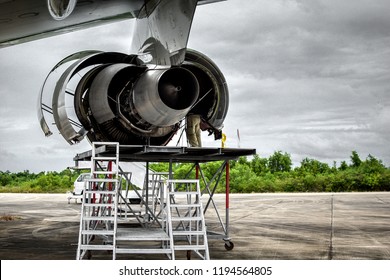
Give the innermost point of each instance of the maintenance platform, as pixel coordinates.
(171, 209)
(141, 153)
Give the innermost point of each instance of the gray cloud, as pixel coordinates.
(308, 77)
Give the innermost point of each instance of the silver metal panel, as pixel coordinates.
(59, 107)
(45, 128)
(216, 101)
(98, 98)
(162, 31)
(26, 20)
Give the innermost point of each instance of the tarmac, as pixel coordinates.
(302, 226)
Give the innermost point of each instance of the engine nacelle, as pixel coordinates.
(118, 99)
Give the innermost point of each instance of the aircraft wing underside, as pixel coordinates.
(26, 20)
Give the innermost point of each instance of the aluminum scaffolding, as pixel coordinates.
(154, 193)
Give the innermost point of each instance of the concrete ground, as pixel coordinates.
(342, 226)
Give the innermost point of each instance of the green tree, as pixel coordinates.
(343, 165)
(279, 162)
(355, 159)
(5, 178)
(371, 165)
(259, 165)
(313, 166)
(244, 180)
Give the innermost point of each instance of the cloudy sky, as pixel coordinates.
(307, 77)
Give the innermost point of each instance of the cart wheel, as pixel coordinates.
(229, 245)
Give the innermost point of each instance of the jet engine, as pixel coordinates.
(117, 98)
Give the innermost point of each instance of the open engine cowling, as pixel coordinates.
(118, 99)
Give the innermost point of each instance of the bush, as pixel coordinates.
(271, 174)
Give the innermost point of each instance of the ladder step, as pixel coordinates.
(141, 234)
(189, 247)
(184, 193)
(99, 218)
(185, 205)
(106, 172)
(104, 158)
(100, 192)
(97, 232)
(143, 251)
(102, 180)
(97, 247)
(98, 204)
(180, 219)
(185, 233)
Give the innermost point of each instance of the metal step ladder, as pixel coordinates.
(153, 194)
(152, 236)
(98, 217)
(187, 227)
(176, 206)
